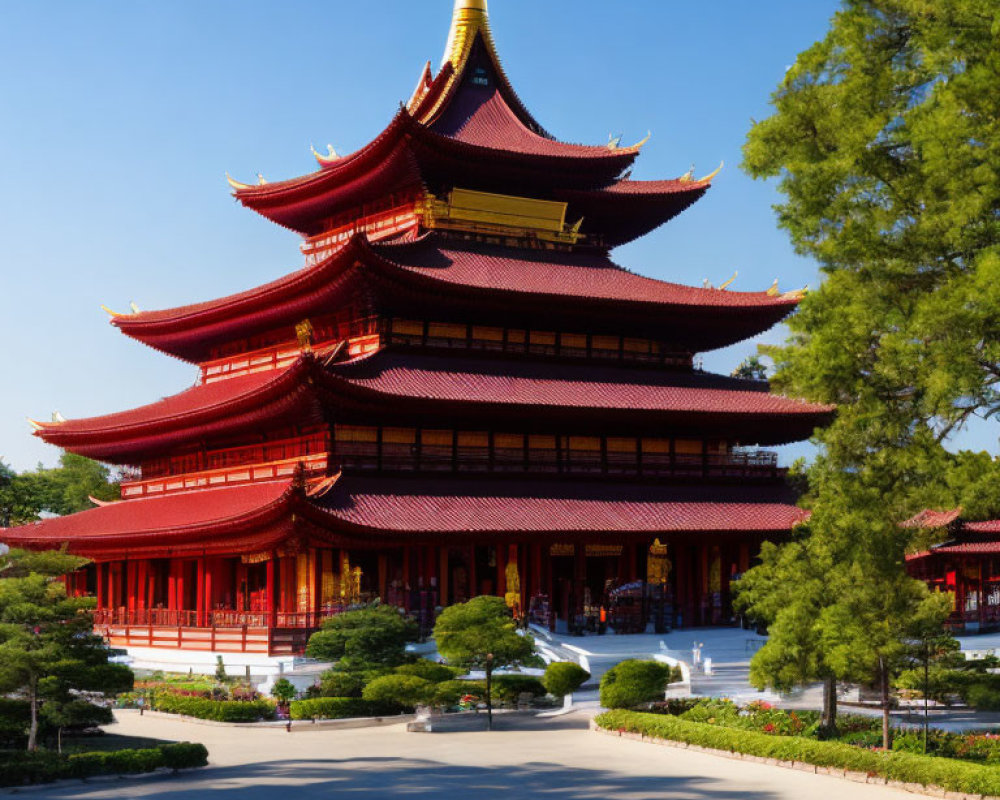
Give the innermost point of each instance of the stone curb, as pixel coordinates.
(297, 726)
(846, 774)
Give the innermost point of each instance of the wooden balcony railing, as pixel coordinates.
(367, 457)
(217, 618)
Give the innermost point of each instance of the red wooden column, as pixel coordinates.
(633, 561)
(701, 581)
(473, 580)
(142, 580)
(406, 579)
(272, 590)
(202, 601)
(383, 576)
(443, 576)
(501, 559)
(679, 577)
(132, 584)
(317, 587)
(579, 575)
(536, 570)
(101, 599)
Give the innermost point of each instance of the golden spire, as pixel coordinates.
(469, 17)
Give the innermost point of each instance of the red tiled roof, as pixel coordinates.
(208, 516)
(988, 526)
(930, 518)
(480, 116)
(201, 411)
(967, 548)
(188, 331)
(465, 507)
(557, 274)
(536, 384)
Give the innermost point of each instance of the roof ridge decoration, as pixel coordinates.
(470, 20)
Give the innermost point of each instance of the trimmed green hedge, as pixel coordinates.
(18, 769)
(219, 710)
(343, 708)
(956, 776)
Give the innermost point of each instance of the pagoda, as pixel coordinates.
(459, 393)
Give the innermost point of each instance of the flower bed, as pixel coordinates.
(853, 729)
(20, 768)
(949, 774)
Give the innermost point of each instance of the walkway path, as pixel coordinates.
(558, 759)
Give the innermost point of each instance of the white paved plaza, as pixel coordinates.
(525, 758)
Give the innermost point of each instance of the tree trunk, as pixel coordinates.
(828, 723)
(927, 685)
(886, 732)
(489, 692)
(33, 729)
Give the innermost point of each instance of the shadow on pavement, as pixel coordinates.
(411, 778)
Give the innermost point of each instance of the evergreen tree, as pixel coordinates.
(884, 141)
(49, 654)
(482, 633)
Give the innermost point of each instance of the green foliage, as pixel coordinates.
(65, 489)
(48, 650)
(751, 369)
(884, 142)
(430, 671)
(403, 690)
(507, 689)
(340, 684)
(564, 677)
(948, 774)
(466, 632)
(633, 682)
(983, 698)
(364, 638)
(342, 708)
(218, 710)
(283, 691)
(43, 767)
(449, 694)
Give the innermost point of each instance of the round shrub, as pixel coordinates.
(509, 688)
(633, 682)
(983, 698)
(450, 693)
(406, 690)
(564, 677)
(340, 684)
(429, 671)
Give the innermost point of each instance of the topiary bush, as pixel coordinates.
(342, 708)
(508, 689)
(449, 694)
(634, 682)
(429, 671)
(44, 766)
(218, 710)
(405, 690)
(340, 684)
(564, 677)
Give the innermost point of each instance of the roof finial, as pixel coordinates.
(468, 17)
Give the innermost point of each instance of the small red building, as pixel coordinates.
(966, 564)
(459, 393)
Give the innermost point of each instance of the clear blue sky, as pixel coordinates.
(118, 121)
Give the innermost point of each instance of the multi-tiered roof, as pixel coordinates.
(458, 346)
